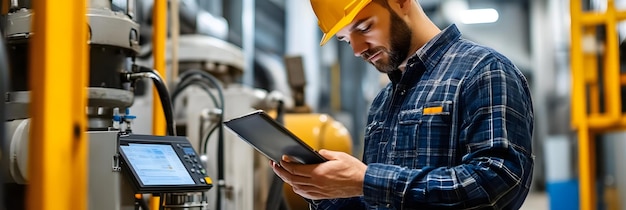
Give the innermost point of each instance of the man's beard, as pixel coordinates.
(400, 43)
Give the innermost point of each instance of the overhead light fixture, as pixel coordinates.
(478, 16)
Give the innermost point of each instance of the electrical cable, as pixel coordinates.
(166, 103)
(220, 143)
(206, 139)
(180, 87)
(4, 72)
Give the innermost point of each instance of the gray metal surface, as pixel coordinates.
(99, 118)
(113, 29)
(100, 4)
(201, 48)
(18, 24)
(184, 201)
(101, 101)
(17, 105)
(18, 97)
(16, 111)
(108, 97)
(108, 188)
(17, 167)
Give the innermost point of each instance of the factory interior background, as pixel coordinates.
(156, 68)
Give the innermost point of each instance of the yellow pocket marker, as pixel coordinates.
(433, 110)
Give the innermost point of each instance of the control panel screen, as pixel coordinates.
(157, 164)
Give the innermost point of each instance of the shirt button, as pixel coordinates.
(402, 92)
(388, 205)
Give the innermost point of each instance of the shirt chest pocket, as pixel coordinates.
(425, 130)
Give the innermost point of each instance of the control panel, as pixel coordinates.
(162, 164)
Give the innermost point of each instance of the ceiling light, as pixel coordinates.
(477, 16)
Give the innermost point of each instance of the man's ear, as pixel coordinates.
(403, 3)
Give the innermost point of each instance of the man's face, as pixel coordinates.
(379, 36)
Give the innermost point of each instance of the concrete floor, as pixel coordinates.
(536, 201)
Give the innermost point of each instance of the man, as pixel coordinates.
(452, 130)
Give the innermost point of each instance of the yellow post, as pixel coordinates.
(587, 168)
(159, 17)
(579, 110)
(58, 78)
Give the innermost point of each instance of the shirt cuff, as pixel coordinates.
(380, 186)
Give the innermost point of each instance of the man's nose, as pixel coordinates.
(358, 47)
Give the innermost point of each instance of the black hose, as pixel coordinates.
(199, 82)
(4, 72)
(220, 143)
(166, 103)
(206, 139)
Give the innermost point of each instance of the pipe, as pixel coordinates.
(159, 28)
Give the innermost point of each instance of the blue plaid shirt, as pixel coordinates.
(453, 132)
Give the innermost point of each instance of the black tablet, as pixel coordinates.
(272, 139)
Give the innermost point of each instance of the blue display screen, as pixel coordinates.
(189, 151)
(157, 164)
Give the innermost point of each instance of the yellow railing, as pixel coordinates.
(587, 88)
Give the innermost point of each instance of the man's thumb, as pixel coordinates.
(329, 154)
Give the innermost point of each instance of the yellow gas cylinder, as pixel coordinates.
(320, 131)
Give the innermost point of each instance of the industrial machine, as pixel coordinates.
(115, 174)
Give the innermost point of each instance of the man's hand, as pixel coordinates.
(339, 177)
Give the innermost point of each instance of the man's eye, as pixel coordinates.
(365, 29)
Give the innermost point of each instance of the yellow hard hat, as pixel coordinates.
(333, 15)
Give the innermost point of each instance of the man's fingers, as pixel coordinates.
(288, 177)
(298, 169)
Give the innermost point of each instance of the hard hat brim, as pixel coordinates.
(347, 19)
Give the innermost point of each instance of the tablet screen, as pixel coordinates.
(272, 139)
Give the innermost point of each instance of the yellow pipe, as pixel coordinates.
(578, 90)
(595, 18)
(59, 77)
(612, 87)
(159, 17)
(579, 109)
(587, 169)
(591, 71)
(622, 79)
